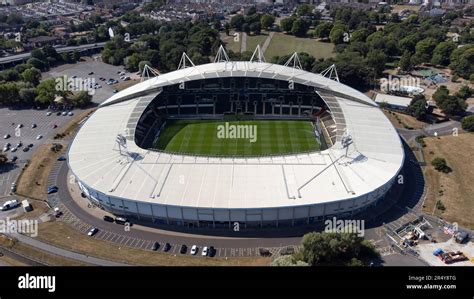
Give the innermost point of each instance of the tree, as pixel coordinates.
(304, 9)
(462, 61)
(31, 75)
(465, 92)
(442, 52)
(451, 105)
(9, 93)
(81, 99)
(334, 249)
(405, 62)
(441, 93)
(38, 64)
(417, 107)
(299, 28)
(468, 123)
(323, 30)
(337, 35)
(425, 47)
(237, 21)
(376, 59)
(286, 24)
(255, 28)
(27, 95)
(46, 91)
(267, 20)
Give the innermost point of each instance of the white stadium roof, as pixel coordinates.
(375, 156)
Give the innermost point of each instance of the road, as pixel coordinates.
(62, 252)
(24, 56)
(444, 128)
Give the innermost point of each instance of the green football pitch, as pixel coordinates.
(237, 138)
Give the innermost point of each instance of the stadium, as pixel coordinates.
(257, 143)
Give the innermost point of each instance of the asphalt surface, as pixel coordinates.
(9, 120)
(82, 70)
(23, 56)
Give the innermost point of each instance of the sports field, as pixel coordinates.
(237, 138)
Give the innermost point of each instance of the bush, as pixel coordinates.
(440, 165)
(440, 206)
(468, 123)
(420, 139)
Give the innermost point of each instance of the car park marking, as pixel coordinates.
(121, 239)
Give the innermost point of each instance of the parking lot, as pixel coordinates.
(10, 118)
(26, 135)
(83, 70)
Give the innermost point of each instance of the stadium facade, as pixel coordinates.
(115, 167)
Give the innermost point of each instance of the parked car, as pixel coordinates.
(57, 212)
(108, 218)
(34, 125)
(14, 158)
(19, 126)
(194, 250)
(205, 251)
(6, 136)
(6, 148)
(11, 204)
(52, 189)
(39, 137)
(70, 113)
(25, 149)
(183, 249)
(48, 113)
(212, 251)
(155, 246)
(121, 220)
(91, 73)
(167, 247)
(92, 231)
(19, 144)
(14, 149)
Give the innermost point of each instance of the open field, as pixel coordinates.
(230, 43)
(283, 44)
(271, 137)
(61, 235)
(454, 189)
(254, 40)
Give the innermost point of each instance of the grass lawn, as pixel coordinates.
(283, 44)
(454, 189)
(254, 40)
(230, 43)
(271, 137)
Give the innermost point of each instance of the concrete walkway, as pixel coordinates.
(243, 44)
(267, 41)
(62, 252)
